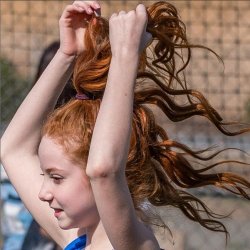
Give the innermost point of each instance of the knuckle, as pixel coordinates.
(122, 12)
(132, 15)
(112, 19)
(131, 12)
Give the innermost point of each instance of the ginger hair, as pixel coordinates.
(158, 170)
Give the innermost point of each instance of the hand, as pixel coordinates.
(128, 31)
(73, 23)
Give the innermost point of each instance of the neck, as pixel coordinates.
(97, 237)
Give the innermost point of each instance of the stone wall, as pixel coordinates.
(29, 26)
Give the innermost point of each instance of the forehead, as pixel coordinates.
(49, 147)
(53, 155)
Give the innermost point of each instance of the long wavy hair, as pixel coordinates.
(159, 170)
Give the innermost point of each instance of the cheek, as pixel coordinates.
(82, 194)
(83, 206)
(86, 193)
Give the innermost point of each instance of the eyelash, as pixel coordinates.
(55, 177)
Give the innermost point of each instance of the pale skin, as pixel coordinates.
(98, 202)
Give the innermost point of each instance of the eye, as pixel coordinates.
(56, 178)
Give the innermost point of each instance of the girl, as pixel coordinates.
(78, 194)
(103, 159)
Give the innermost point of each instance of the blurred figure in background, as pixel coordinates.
(15, 218)
(45, 59)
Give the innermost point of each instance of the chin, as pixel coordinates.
(66, 226)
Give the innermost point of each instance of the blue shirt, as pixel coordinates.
(77, 244)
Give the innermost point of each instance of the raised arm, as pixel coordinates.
(111, 137)
(20, 141)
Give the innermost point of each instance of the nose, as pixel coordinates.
(45, 193)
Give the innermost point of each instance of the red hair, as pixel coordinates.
(157, 170)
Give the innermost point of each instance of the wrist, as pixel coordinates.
(126, 57)
(65, 57)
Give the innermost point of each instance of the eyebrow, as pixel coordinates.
(50, 169)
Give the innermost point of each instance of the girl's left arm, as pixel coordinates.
(111, 137)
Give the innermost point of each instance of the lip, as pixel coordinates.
(57, 212)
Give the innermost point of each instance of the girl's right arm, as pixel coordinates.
(21, 139)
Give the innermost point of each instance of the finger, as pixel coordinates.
(91, 7)
(131, 12)
(122, 12)
(85, 6)
(142, 13)
(96, 7)
(141, 9)
(113, 15)
(71, 9)
(93, 4)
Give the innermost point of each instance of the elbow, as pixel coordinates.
(10, 151)
(9, 147)
(6, 155)
(4, 152)
(102, 170)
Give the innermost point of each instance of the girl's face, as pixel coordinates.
(66, 187)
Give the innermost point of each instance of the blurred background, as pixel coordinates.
(28, 27)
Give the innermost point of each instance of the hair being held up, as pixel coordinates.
(157, 169)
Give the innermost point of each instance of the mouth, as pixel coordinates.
(57, 212)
